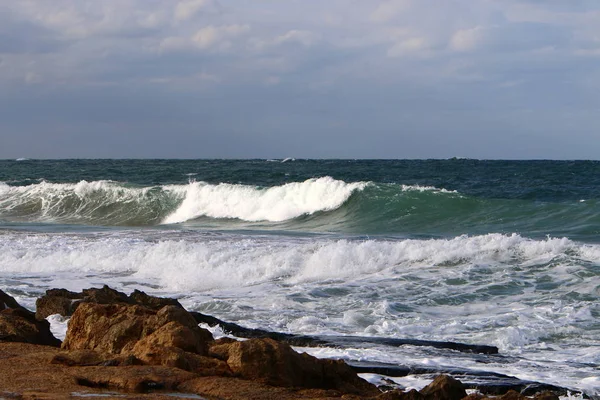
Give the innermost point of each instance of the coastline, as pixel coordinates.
(141, 346)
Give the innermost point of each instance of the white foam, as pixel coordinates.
(486, 289)
(419, 188)
(273, 204)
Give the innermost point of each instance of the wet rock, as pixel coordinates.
(117, 328)
(512, 395)
(135, 379)
(400, 395)
(20, 325)
(175, 357)
(277, 364)
(547, 395)
(65, 302)
(444, 387)
(155, 303)
(7, 301)
(174, 334)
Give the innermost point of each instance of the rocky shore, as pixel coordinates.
(140, 346)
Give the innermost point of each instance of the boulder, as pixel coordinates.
(153, 354)
(7, 301)
(277, 364)
(547, 395)
(444, 387)
(65, 302)
(117, 328)
(18, 324)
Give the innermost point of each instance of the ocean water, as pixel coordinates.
(502, 253)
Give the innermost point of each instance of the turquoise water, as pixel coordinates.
(505, 253)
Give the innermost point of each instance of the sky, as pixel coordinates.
(489, 79)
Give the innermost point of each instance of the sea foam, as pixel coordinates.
(274, 204)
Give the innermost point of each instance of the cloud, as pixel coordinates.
(389, 9)
(213, 36)
(187, 9)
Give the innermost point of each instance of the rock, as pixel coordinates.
(49, 305)
(174, 334)
(444, 387)
(117, 328)
(512, 395)
(175, 357)
(220, 348)
(20, 325)
(277, 364)
(475, 396)
(135, 378)
(547, 395)
(7, 301)
(155, 303)
(105, 295)
(65, 302)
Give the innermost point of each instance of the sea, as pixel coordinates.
(499, 253)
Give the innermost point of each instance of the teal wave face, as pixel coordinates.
(315, 205)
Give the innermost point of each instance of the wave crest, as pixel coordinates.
(274, 204)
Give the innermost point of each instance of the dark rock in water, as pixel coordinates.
(275, 363)
(444, 387)
(486, 382)
(18, 324)
(65, 302)
(336, 341)
(155, 303)
(7, 301)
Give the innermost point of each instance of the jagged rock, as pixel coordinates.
(7, 301)
(86, 358)
(220, 348)
(277, 364)
(65, 302)
(135, 378)
(18, 324)
(155, 303)
(117, 328)
(474, 396)
(547, 395)
(400, 395)
(174, 334)
(512, 395)
(444, 387)
(153, 354)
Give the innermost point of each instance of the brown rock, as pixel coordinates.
(546, 396)
(79, 357)
(49, 305)
(136, 378)
(65, 302)
(475, 396)
(220, 348)
(444, 387)
(155, 303)
(512, 395)
(175, 357)
(116, 329)
(174, 334)
(20, 325)
(275, 363)
(105, 295)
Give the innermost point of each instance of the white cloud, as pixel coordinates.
(466, 40)
(389, 9)
(189, 8)
(305, 38)
(212, 36)
(409, 46)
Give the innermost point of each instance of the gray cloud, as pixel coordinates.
(396, 78)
